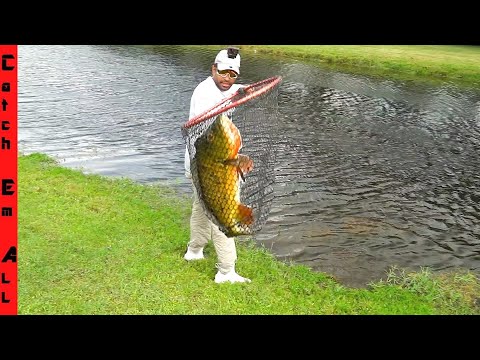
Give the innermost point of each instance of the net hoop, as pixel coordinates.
(263, 87)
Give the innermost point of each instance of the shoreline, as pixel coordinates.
(457, 64)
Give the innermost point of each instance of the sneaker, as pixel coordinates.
(231, 276)
(193, 255)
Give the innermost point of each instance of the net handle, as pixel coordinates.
(266, 85)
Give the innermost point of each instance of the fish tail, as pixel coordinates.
(245, 214)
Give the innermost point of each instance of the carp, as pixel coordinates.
(219, 169)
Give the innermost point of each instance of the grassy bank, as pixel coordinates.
(445, 63)
(94, 245)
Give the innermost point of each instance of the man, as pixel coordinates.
(212, 90)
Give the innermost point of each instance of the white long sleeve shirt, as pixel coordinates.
(204, 97)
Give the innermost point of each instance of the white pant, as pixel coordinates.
(202, 230)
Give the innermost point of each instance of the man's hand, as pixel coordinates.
(244, 91)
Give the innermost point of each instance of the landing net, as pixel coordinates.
(226, 198)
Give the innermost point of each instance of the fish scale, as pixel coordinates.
(220, 167)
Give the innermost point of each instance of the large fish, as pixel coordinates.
(219, 169)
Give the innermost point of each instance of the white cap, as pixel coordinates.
(225, 63)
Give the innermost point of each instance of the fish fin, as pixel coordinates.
(239, 170)
(245, 214)
(241, 162)
(245, 163)
(236, 163)
(232, 162)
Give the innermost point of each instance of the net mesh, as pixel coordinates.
(232, 158)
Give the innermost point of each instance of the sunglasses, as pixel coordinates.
(224, 73)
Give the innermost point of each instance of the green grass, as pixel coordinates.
(431, 63)
(94, 245)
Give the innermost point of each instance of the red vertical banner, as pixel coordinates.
(8, 178)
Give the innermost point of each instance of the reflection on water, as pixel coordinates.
(370, 172)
